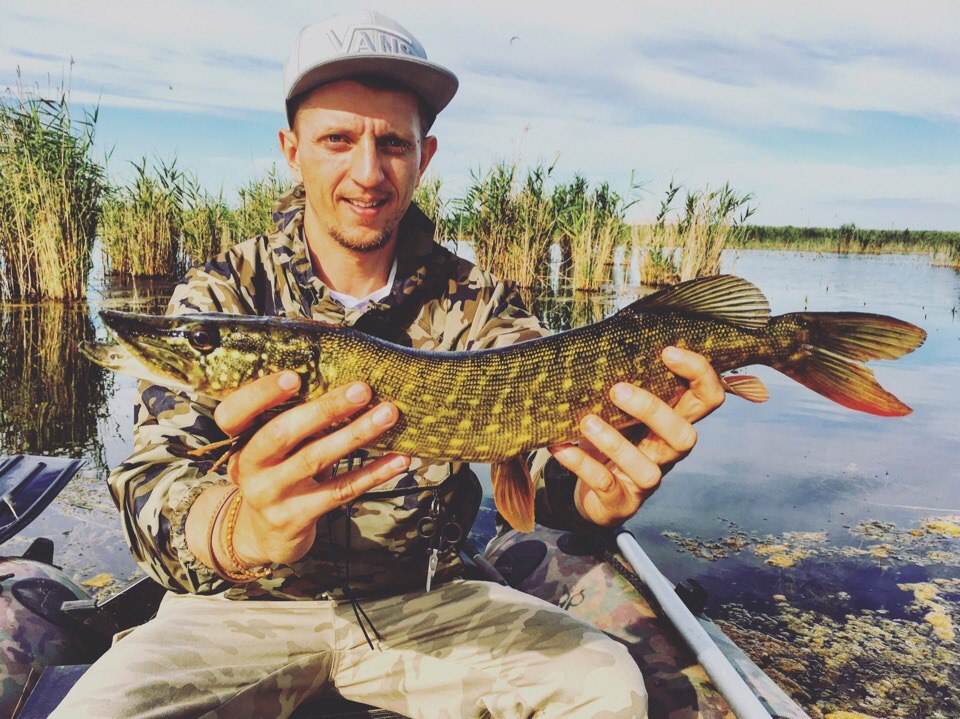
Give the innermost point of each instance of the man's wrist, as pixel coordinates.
(245, 547)
(199, 518)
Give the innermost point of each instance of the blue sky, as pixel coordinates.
(828, 112)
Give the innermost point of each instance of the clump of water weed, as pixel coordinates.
(863, 664)
(934, 542)
(928, 598)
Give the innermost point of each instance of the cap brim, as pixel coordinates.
(435, 84)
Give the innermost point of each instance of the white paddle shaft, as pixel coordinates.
(729, 683)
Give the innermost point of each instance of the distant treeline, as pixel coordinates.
(846, 238)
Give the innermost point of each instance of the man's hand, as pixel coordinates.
(283, 471)
(616, 476)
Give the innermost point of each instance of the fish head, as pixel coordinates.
(207, 354)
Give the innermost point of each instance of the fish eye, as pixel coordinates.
(204, 339)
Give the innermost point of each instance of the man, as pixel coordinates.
(291, 518)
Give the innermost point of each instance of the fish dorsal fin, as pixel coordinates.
(724, 297)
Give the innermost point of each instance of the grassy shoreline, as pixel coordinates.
(55, 198)
(845, 239)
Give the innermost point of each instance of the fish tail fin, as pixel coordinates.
(834, 344)
(513, 492)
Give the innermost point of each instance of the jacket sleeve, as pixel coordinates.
(156, 486)
(502, 321)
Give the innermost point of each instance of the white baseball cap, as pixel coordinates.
(360, 43)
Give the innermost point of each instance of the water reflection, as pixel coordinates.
(52, 399)
(565, 310)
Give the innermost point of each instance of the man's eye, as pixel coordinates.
(395, 143)
(336, 139)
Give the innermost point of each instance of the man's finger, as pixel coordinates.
(591, 449)
(706, 393)
(284, 433)
(321, 453)
(346, 487)
(634, 465)
(241, 408)
(592, 473)
(657, 415)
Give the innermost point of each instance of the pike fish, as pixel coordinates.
(494, 405)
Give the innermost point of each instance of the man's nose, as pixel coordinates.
(365, 169)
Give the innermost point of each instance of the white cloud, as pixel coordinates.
(663, 87)
(847, 56)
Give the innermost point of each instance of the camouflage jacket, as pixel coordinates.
(438, 301)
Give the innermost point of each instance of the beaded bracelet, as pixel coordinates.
(244, 574)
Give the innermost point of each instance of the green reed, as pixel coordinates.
(50, 197)
(142, 223)
(429, 199)
(689, 243)
(208, 225)
(848, 239)
(253, 215)
(163, 220)
(591, 225)
(510, 217)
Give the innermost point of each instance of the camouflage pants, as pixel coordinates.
(466, 649)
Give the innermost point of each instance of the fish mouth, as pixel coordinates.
(107, 354)
(118, 358)
(145, 349)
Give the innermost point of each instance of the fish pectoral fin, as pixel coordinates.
(746, 387)
(513, 493)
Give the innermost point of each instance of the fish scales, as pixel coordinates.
(494, 405)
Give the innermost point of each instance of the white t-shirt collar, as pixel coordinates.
(361, 303)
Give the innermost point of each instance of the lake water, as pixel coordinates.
(796, 515)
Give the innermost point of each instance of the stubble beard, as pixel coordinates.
(378, 242)
(381, 240)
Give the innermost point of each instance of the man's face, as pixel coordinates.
(360, 154)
